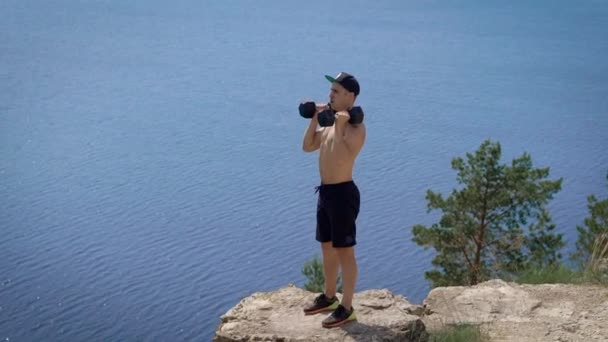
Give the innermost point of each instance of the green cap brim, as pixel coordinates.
(330, 79)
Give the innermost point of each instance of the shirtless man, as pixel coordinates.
(339, 199)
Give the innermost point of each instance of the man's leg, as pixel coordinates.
(327, 301)
(331, 263)
(349, 274)
(343, 216)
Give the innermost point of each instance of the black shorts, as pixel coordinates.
(337, 211)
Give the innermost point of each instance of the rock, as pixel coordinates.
(278, 316)
(514, 312)
(504, 312)
(481, 303)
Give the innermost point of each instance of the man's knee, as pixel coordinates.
(345, 252)
(329, 252)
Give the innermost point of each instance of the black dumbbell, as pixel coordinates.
(328, 116)
(308, 109)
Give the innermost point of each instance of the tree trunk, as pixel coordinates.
(480, 238)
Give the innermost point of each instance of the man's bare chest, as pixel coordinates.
(327, 139)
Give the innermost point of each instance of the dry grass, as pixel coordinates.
(459, 333)
(596, 269)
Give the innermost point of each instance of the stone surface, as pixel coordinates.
(513, 312)
(504, 312)
(278, 316)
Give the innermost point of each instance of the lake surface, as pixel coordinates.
(151, 171)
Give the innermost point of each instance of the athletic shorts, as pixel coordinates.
(337, 210)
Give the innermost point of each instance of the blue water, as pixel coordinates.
(151, 172)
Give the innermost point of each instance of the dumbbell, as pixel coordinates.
(308, 109)
(328, 116)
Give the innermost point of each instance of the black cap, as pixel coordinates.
(349, 82)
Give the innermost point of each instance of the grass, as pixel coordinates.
(459, 333)
(560, 274)
(595, 271)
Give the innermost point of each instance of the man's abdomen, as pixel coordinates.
(333, 170)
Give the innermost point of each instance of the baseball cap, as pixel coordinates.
(348, 81)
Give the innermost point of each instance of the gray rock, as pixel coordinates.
(513, 312)
(503, 311)
(278, 316)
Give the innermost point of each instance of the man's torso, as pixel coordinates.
(336, 161)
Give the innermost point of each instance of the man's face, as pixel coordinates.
(340, 98)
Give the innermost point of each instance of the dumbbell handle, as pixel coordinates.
(327, 116)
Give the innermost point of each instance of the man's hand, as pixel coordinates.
(342, 116)
(321, 107)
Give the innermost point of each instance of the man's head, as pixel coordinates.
(344, 91)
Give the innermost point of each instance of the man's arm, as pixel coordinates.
(312, 136)
(353, 137)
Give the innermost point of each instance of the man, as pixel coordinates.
(339, 199)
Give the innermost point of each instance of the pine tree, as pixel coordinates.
(496, 224)
(313, 270)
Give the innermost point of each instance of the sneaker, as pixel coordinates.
(339, 317)
(322, 303)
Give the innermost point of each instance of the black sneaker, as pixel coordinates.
(322, 303)
(339, 317)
